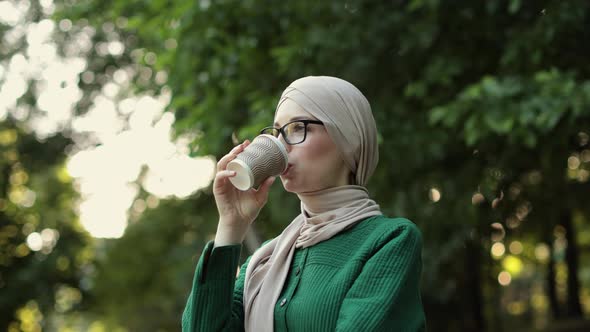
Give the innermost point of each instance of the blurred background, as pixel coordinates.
(114, 113)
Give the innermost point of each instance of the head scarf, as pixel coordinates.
(348, 119)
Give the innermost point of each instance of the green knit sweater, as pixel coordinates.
(366, 278)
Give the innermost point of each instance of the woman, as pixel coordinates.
(340, 264)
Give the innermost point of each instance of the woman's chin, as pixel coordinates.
(288, 184)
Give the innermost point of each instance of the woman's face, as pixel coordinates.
(315, 164)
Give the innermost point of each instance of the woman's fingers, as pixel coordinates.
(262, 193)
(222, 164)
(224, 174)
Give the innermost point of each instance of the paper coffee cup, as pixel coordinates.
(266, 156)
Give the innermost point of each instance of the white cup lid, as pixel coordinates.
(244, 178)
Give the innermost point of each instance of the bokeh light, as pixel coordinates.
(35, 241)
(573, 162)
(498, 233)
(434, 194)
(498, 250)
(512, 265)
(477, 198)
(504, 278)
(515, 247)
(542, 252)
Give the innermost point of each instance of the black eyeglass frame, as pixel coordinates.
(282, 131)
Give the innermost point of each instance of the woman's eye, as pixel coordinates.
(299, 127)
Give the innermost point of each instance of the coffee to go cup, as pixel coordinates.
(266, 156)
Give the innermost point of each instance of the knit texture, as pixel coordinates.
(366, 278)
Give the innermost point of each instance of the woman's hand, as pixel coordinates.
(237, 209)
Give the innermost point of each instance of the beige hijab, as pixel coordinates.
(347, 116)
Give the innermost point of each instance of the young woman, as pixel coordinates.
(340, 265)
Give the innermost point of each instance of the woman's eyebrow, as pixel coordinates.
(276, 124)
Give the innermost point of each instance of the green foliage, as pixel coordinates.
(37, 204)
(146, 273)
(516, 109)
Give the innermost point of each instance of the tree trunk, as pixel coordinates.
(475, 321)
(551, 289)
(574, 309)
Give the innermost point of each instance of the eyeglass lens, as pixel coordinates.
(294, 132)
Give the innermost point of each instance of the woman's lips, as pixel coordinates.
(287, 169)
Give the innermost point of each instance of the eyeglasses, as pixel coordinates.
(293, 132)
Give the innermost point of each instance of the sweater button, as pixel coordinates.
(283, 302)
(297, 270)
